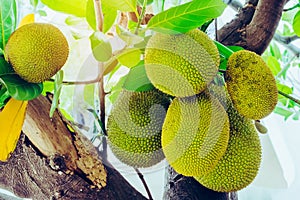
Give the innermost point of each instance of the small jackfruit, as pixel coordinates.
(260, 127)
(181, 65)
(195, 134)
(134, 127)
(241, 161)
(37, 51)
(251, 85)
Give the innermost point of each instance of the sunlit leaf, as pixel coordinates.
(8, 20)
(101, 47)
(34, 3)
(128, 37)
(57, 91)
(89, 94)
(122, 5)
(48, 86)
(285, 112)
(141, 2)
(284, 88)
(109, 15)
(274, 65)
(73, 20)
(130, 57)
(27, 20)
(296, 23)
(110, 65)
(20, 89)
(115, 91)
(186, 16)
(11, 122)
(137, 79)
(74, 7)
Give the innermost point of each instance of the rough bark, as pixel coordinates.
(58, 173)
(180, 187)
(254, 26)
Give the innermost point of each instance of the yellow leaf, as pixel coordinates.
(11, 122)
(27, 19)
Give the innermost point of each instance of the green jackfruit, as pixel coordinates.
(241, 161)
(134, 127)
(195, 134)
(37, 51)
(251, 85)
(181, 65)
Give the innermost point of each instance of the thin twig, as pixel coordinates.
(99, 14)
(99, 21)
(297, 101)
(96, 80)
(144, 183)
(141, 17)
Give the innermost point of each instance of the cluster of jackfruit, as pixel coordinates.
(37, 51)
(208, 130)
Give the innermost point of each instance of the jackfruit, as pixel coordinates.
(134, 127)
(260, 127)
(241, 161)
(37, 51)
(195, 134)
(181, 65)
(251, 85)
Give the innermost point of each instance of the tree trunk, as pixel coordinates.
(56, 165)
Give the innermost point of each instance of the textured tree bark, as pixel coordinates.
(180, 187)
(254, 26)
(55, 172)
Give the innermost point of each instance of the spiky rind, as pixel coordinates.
(37, 51)
(251, 85)
(181, 65)
(195, 134)
(134, 127)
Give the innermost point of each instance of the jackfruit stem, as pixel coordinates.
(297, 101)
(144, 183)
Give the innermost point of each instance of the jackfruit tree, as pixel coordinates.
(143, 99)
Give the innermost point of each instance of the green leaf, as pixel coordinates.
(186, 17)
(48, 86)
(141, 2)
(110, 15)
(73, 7)
(129, 57)
(110, 65)
(284, 88)
(122, 5)
(101, 47)
(89, 94)
(137, 79)
(235, 48)
(296, 23)
(57, 91)
(20, 89)
(115, 91)
(34, 3)
(5, 67)
(90, 14)
(128, 37)
(4, 96)
(274, 65)
(8, 20)
(73, 20)
(275, 51)
(283, 112)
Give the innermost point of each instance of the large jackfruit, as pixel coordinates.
(181, 65)
(37, 51)
(195, 134)
(251, 85)
(241, 161)
(134, 127)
